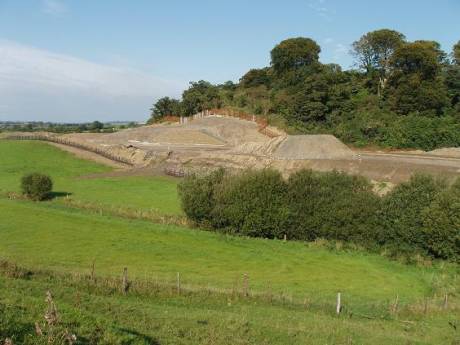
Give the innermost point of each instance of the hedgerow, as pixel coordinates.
(418, 216)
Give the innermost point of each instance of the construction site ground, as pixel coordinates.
(205, 143)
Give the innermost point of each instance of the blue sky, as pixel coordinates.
(79, 60)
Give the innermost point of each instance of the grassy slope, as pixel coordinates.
(50, 235)
(99, 315)
(18, 158)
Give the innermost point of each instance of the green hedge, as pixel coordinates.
(419, 216)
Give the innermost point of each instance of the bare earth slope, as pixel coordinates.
(205, 143)
(313, 147)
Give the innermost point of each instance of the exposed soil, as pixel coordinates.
(217, 141)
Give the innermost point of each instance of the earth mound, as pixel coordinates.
(322, 146)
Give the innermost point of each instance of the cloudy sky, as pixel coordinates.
(82, 60)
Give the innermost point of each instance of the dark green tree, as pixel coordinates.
(441, 224)
(96, 126)
(199, 96)
(415, 84)
(36, 186)
(456, 53)
(256, 77)
(373, 52)
(163, 107)
(294, 53)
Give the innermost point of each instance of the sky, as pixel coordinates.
(107, 60)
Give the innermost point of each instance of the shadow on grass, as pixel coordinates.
(55, 195)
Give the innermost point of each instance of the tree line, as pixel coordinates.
(421, 216)
(399, 94)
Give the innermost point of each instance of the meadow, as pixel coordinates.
(69, 176)
(57, 243)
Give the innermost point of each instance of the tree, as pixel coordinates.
(163, 107)
(373, 52)
(452, 81)
(256, 77)
(456, 53)
(441, 224)
(36, 186)
(317, 95)
(96, 126)
(415, 84)
(402, 209)
(200, 95)
(294, 53)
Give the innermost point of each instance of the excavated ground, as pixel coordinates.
(217, 141)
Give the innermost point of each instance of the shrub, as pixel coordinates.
(441, 224)
(331, 205)
(197, 195)
(36, 186)
(253, 204)
(400, 218)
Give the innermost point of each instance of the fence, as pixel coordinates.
(339, 303)
(80, 146)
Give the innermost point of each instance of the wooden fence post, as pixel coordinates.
(178, 282)
(395, 305)
(445, 305)
(124, 282)
(339, 306)
(245, 285)
(92, 272)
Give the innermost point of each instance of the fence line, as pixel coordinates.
(339, 305)
(80, 146)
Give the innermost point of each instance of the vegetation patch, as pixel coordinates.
(309, 206)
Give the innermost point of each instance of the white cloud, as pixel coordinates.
(54, 7)
(38, 84)
(319, 6)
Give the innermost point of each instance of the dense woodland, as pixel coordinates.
(400, 94)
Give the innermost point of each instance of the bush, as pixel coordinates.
(36, 186)
(253, 204)
(441, 224)
(418, 216)
(331, 205)
(197, 195)
(400, 218)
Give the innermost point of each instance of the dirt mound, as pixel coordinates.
(260, 149)
(166, 134)
(231, 130)
(313, 147)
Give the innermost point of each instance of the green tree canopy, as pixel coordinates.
(373, 52)
(293, 53)
(256, 77)
(421, 57)
(456, 53)
(199, 96)
(163, 107)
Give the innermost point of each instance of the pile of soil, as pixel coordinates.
(313, 147)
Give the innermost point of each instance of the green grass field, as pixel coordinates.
(52, 236)
(100, 315)
(148, 193)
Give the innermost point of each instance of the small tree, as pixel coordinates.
(36, 186)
